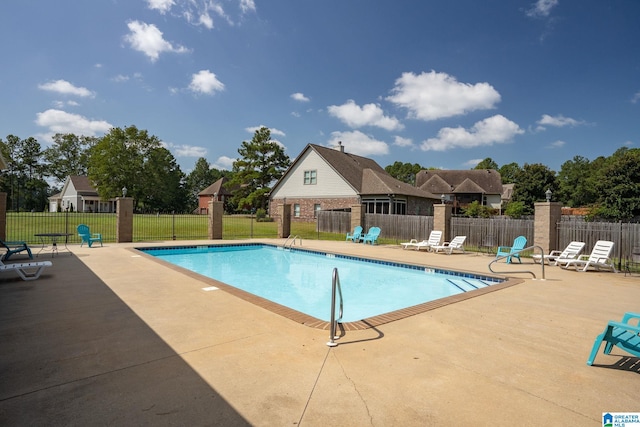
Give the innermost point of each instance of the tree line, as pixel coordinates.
(132, 158)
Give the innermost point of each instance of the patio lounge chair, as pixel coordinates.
(572, 251)
(599, 258)
(371, 236)
(512, 251)
(25, 269)
(622, 334)
(88, 237)
(434, 240)
(449, 247)
(14, 248)
(357, 233)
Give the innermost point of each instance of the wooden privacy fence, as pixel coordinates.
(490, 233)
(400, 227)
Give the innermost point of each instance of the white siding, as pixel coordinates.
(494, 201)
(328, 184)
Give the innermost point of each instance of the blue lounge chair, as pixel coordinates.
(371, 236)
(14, 248)
(621, 334)
(357, 233)
(88, 237)
(519, 244)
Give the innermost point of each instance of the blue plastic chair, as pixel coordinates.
(357, 233)
(624, 334)
(371, 236)
(513, 251)
(88, 237)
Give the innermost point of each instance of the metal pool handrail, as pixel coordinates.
(335, 286)
(498, 258)
(293, 241)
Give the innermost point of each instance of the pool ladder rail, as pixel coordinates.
(336, 291)
(293, 241)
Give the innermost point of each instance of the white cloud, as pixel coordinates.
(356, 142)
(273, 131)
(224, 163)
(184, 150)
(541, 8)
(205, 19)
(636, 97)
(432, 96)
(162, 6)
(557, 121)
(403, 142)
(205, 82)
(65, 88)
(247, 6)
(299, 97)
(58, 121)
(368, 115)
(493, 130)
(472, 163)
(147, 38)
(558, 144)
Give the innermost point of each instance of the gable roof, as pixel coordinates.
(486, 181)
(364, 175)
(82, 185)
(217, 187)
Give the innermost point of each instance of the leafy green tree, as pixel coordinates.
(576, 186)
(509, 173)
(619, 185)
(163, 185)
(24, 181)
(262, 162)
(68, 155)
(405, 172)
(134, 159)
(515, 209)
(532, 183)
(487, 163)
(476, 210)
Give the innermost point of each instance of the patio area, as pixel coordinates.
(109, 337)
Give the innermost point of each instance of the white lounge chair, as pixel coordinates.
(26, 269)
(600, 258)
(434, 239)
(572, 251)
(448, 247)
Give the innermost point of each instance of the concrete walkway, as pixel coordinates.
(109, 337)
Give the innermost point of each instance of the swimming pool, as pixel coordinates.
(301, 279)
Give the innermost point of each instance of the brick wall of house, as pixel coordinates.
(307, 206)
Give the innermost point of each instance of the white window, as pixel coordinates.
(310, 177)
(296, 210)
(316, 208)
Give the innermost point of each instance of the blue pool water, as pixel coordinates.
(301, 279)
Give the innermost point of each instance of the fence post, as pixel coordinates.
(442, 219)
(284, 220)
(3, 216)
(545, 226)
(124, 220)
(216, 211)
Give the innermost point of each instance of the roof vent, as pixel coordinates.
(340, 146)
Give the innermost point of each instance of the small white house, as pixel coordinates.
(78, 195)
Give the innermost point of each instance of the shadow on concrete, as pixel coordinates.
(73, 353)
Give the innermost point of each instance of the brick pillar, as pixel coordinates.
(3, 216)
(357, 216)
(545, 228)
(442, 220)
(124, 219)
(284, 220)
(216, 211)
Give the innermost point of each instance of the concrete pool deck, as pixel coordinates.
(109, 337)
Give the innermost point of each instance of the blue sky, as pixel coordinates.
(440, 83)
